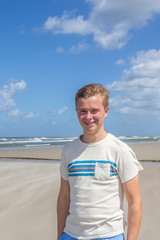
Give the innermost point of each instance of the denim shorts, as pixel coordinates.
(65, 236)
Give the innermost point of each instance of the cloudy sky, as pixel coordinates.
(49, 49)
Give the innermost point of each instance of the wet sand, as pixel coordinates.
(29, 190)
(33, 153)
(144, 152)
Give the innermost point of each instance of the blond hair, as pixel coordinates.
(92, 90)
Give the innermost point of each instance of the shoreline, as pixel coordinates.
(34, 153)
(144, 152)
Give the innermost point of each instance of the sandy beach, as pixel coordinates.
(144, 152)
(29, 189)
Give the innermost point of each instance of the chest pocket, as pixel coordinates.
(102, 171)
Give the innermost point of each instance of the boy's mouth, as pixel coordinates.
(89, 123)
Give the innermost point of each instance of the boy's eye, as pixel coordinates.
(94, 111)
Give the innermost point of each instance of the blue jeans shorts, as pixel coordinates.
(65, 236)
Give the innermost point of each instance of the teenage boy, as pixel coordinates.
(96, 170)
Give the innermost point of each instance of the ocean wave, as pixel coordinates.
(31, 142)
(34, 141)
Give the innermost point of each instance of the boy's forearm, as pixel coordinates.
(62, 213)
(134, 221)
(133, 196)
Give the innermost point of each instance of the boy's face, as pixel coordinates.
(91, 114)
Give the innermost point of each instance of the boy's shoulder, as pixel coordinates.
(115, 142)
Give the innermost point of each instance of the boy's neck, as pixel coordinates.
(92, 139)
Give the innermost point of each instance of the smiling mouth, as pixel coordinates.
(89, 123)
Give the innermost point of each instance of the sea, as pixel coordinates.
(48, 142)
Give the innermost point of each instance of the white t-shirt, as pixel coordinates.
(95, 173)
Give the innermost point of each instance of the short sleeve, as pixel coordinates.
(64, 166)
(128, 165)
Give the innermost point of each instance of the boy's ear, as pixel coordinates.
(106, 111)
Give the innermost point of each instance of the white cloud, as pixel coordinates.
(139, 90)
(67, 25)
(120, 62)
(109, 21)
(81, 46)
(60, 111)
(7, 93)
(15, 113)
(75, 49)
(31, 115)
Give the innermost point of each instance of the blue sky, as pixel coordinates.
(49, 49)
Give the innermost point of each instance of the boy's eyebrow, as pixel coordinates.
(81, 108)
(93, 108)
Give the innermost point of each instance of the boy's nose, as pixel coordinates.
(88, 115)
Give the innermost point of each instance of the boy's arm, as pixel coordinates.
(133, 196)
(63, 203)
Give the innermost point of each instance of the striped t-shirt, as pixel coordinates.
(95, 173)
